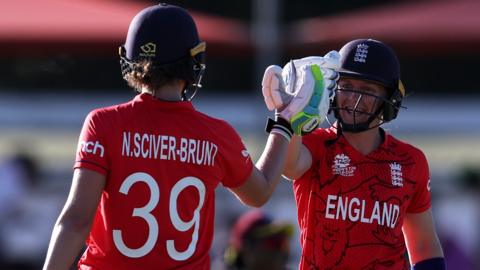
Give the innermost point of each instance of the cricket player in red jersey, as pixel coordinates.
(143, 188)
(363, 196)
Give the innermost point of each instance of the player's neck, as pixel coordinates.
(365, 142)
(168, 92)
(168, 95)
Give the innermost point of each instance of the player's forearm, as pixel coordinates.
(293, 155)
(272, 163)
(65, 244)
(420, 237)
(426, 250)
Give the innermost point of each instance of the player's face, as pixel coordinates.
(359, 99)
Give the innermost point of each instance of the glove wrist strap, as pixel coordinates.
(279, 126)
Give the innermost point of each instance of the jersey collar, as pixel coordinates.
(162, 104)
(374, 153)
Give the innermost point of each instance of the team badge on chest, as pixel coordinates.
(341, 166)
(397, 176)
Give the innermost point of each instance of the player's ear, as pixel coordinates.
(183, 83)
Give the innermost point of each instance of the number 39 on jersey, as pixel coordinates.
(153, 229)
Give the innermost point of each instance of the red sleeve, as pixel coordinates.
(315, 143)
(311, 141)
(92, 149)
(421, 197)
(236, 162)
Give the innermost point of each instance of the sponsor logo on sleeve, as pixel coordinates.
(92, 148)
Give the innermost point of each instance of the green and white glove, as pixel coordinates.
(301, 92)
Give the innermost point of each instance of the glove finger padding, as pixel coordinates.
(329, 64)
(330, 61)
(310, 102)
(273, 88)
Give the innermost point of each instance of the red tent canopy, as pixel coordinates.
(426, 27)
(95, 26)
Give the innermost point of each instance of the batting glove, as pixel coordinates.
(301, 92)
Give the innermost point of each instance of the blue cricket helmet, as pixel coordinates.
(168, 37)
(372, 60)
(163, 33)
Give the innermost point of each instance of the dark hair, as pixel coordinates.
(146, 74)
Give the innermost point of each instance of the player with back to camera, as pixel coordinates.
(363, 196)
(143, 188)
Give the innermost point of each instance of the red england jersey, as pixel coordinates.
(351, 206)
(163, 161)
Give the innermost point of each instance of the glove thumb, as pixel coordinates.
(273, 88)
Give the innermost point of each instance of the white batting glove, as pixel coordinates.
(301, 92)
(273, 88)
(329, 64)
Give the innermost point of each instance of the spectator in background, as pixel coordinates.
(459, 221)
(257, 242)
(470, 183)
(17, 172)
(18, 225)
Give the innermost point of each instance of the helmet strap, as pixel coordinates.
(360, 127)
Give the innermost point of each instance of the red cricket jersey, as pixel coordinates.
(351, 206)
(163, 161)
